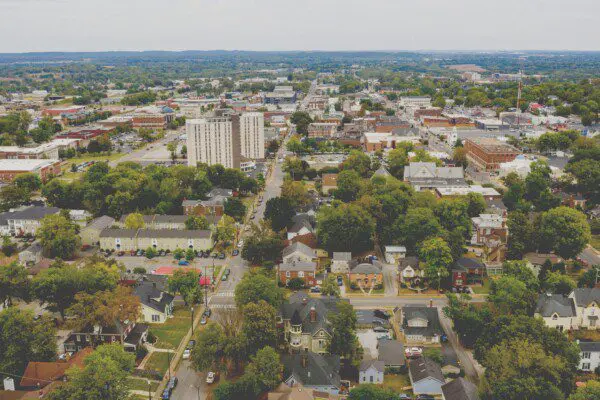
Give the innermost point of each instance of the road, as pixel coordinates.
(152, 152)
(192, 385)
(311, 92)
(590, 255)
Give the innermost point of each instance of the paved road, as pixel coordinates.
(150, 150)
(590, 255)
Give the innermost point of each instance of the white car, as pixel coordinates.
(241, 244)
(413, 351)
(186, 354)
(210, 377)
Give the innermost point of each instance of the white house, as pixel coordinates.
(587, 301)
(425, 376)
(340, 262)
(421, 324)
(589, 356)
(556, 310)
(394, 253)
(157, 305)
(371, 371)
(298, 252)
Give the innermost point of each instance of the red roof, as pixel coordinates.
(42, 373)
(169, 270)
(205, 281)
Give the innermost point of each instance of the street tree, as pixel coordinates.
(235, 208)
(346, 227)
(225, 230)
(330, 286)
(208, 349)
(256, 287)
(559, 283)
(259, 326)
(14, 283)
(279, 211)
(186, 283)
(59, 236)
(343, 326)
(265, 366)
(511, 296)
(349, 185)
(437, 256)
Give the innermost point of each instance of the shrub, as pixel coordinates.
(139, 270)
(296, 283)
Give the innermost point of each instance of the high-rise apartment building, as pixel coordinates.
(252, 135)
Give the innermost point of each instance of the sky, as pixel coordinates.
(103, 25)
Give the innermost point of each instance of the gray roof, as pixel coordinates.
(592, 347)
(428, 313)
(174, 233)
(32, 213)
(162, 218)
(366, 268)
(381, 172)
(299, 225)
(153, 297)
(118, 233)
(320, 370)
(428, 170)
(298, 266)
(301, 303)
(408, 261)
(391, 352)
(101, 223)
(298, 247)
(220, 192)
(549, 304)
(342, 256)
(421, 368)
(35, 248)
(366, 364)
(460, 389)
(585, 296)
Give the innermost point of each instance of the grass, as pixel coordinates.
(484, 289)
(171, 332)
(397, 382)
(69, 175)
(158, 361)
(595, 242)
(142, 384)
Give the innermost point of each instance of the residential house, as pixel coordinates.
(409, 272)
(460, 389)
(25, 220)
(382, 172)
(341, 262)
(213, 206)
(298, 392)
(39, 374)
(90, 235)
(366, 274)
(394, 254)
(391, 352)
(428, 176)
(489, 230)
(589, 356)
(421, 324)
(587, 303)
(328, 183)
(32, 255)
(298, 269)
(118, 239)
(304, 322)
(157, 305)
(370, 318)
(467, 271)
(371, 371)
(425, 376)
(300, 228)
(130, 334)
(313, 371)
(298, 252)
(160, 221)
(557, 311)
(535, 261)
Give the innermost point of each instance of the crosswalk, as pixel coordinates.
(223, 306)
(225, 293)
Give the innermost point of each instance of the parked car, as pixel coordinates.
(210, 377)
(404, 396)
(413, 352)
(172, 384)
(340, 281)
(191, 344)
(204, 320)
(183, 262)
(235, 252)
(241, 243)
(215, 255)
(207, 312)
(315, 289)
(186, 354)
(224, 277)
(222, 256)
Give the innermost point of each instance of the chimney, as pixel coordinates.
(313, 314)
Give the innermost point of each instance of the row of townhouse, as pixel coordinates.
(160, 239)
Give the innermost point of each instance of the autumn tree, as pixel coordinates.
(134, 221)
(105, 308)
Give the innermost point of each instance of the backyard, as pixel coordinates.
(170, 333)
(397, 382)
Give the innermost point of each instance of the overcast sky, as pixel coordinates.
(96, 25)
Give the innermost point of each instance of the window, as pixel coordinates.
(364, 378)
(287, 274)
(301, 274)
(586, 355)
(592, 322)
(155, 318)
(371, 378)
(554, 317)
(585, 366)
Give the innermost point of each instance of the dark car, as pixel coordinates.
(424, 397)
(207, 312)
(222, 256)
(340, 281)
(172, 383)
(235, 252)
(166, 394)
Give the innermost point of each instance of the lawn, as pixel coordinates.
(595, 242)
(397, 382)
(171, 332)
(142, 384)
(158, 361)
(483, 289)
(68, 175)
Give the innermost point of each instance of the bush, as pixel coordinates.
(296, 283)
(148, 374)
(150, 252)
(141, 352)
(139, 270)
(151, 338)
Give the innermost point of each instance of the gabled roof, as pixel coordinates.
(297, 227)
(301, 303)
(342, 256)
(41, 373)
(391, 352)
(592, 347)
(152, 297)
(469, 263)
(381, 172)
(366, 364)
(32, 213)
(298, 266)
(430, 314)
(460, 389)
(585, 296)
(366, 268)
(550, 304)
(320, 370)
(298, 247)
(100, 223)
(422, 368)
(408, 262)
(429, 170)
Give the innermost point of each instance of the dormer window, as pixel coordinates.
(554, 317)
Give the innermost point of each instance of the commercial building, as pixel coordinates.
(486, 154)
(43, 168)
(428, 176)
(374, 141)
(213, 141)
(415, 101)
(322, 129)
(281, 95)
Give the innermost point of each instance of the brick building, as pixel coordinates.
(9, 169)
(322, 130)
(486, 154)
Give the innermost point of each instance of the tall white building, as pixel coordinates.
(213, 141)
(252, 135)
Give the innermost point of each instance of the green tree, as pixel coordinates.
(196, 222)
(178, 253)
(259, 325)
(235, 208)
(559, 283)
(59, 236)
(476, 204)
(134, 221)
(186, 283)
(225, 230)
(330, 286)
(589, 277)
(437, 256)
(29, 182)
(265, 366)
(520, 238)
(417, 225)
(591, 391)
(511, 296)
(256, 287)
(104, 376)
(301, 119)
(347, 227)
(349, 185)
(343, 326)
(209, 345)
(397, 160)
(565, 231)
(294, 145)
(359, 162)
(14, 283)
(295, 193)
(372, 392)
(24, 339)
(105, 307)
(522, 272)
(434, 354)
(279, 212)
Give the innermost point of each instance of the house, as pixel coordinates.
(371, 371)
(370, 318)
(391, 352)
(460, 389)
(393, 254)
(328, 183)
(298, 252)
(130, 334)
(425, 376)
(421, 324)
(213, 206)
(304, 322)
(39, 374)
(118, 239)
(366, 274)
(589, 356)
(90, 235)
(305, 270)
(489, 230)
(409, 272)
(556, 310)
(25, 220)
(31, 255)
(587, 301)
(535, 261)
(341, 262)
(313, 371)
(467, 271)
(298, 392)
(300, 228)
(428, 176)
(157, 305)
